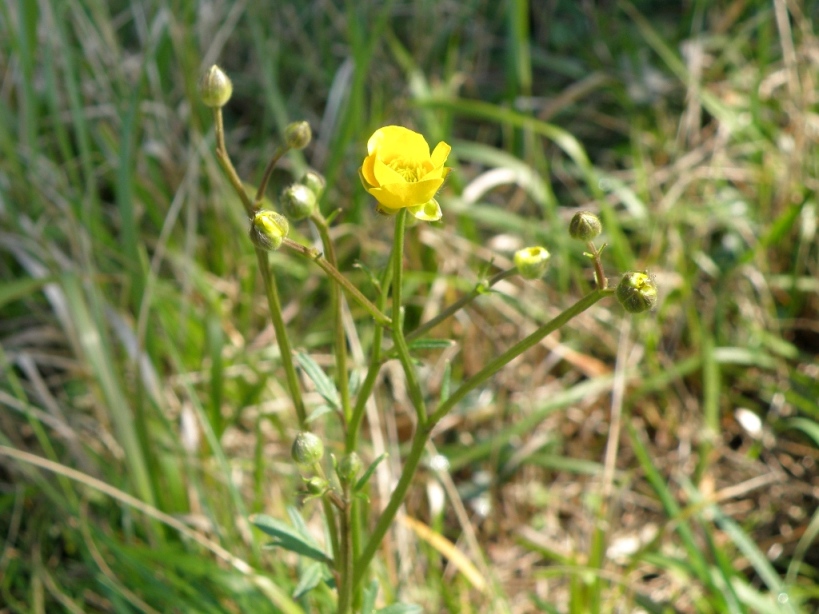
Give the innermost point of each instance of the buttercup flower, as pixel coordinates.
(400, 172)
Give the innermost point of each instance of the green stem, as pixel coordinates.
(599, 276)
(333, 272)
(460, 303)
(342, 373)
(516, 350)
(374, 366)
(419, 440)
(224, 161)
(276, 317)
(345, 589)
(277, 155)
(424, 430)
(413, 387)
(354, 424)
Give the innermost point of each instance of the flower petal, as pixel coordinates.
(436, 173)
(440, 154)
(408, 194)
(385, 175)
(428, 212)
(367, 172)
(391, 142)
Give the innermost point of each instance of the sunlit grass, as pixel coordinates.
(139, 370)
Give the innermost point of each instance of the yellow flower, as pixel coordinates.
(400, 172)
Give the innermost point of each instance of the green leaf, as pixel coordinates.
(446, 382)
(318, 412)
(18, 288)
(301, 526)
(430, 344)
(362, 482)
(401, 608)
(324, 386)
(809, 427)
(368, 602)
(310, 578)
(289, 539)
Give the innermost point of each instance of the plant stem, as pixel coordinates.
(424, 430)
(274, 306)
(419, 440)
(375, 363)
(280, 151)
(345, 589)
(354, 425)
(333, 272)
(224, 161)
(342, 373)
(413, 387)
(516, 350)
(599, 276)
(479, 289)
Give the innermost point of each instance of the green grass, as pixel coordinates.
(143, 409)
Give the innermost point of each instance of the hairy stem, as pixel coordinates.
(337, 276)
(274, 306)
(413, 387)
(479, 289)
(268, 171)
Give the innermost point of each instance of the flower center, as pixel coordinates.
(409, 171)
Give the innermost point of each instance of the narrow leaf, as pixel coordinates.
(430, 344)
(324, 386)
(401, 608)
(310, 578)
(289, 539)
(362, 482)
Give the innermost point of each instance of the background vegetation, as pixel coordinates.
(666, 463)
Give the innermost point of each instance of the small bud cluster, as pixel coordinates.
(299, 200)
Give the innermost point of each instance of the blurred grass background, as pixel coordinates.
(666, 463)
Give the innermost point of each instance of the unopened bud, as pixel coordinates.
(585, 226)
(532, 262)
(348, 468)
(636, 292)
(298, 135)
(315, 181)
(307, 448)
(268, 229)
(316, 486)
(298, 201)
(215, 87)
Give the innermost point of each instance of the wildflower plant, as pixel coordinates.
(404, 175)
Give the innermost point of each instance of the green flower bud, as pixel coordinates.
(348, 468)
(215, 87)
(315, 181)
(307, 448)
(268, 229)
(316, 486)
(585, 226)
(636, 292)
(532, 262)
(298, 135)
(298, 201)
